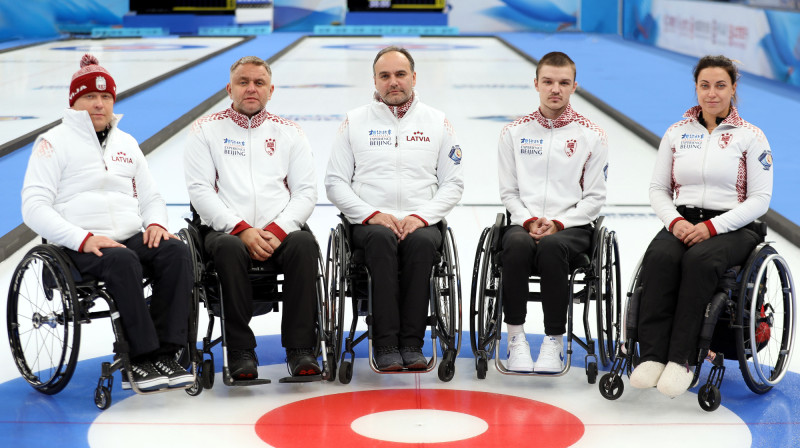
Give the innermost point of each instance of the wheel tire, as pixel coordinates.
(331, 365)
(611, 386)
(346, 372)
(197, 387)
(591, 372)
(207, 374)
(38, 320)
(447, 367)
(102, 398)
(482, 366)
(709, 397)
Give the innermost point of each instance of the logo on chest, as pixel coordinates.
(231, 147)
(121, 157)
(532, 146)
(417, 136)
(724, 140)
(269, 146)
(691, 141)
(380, 137)
(570, 146)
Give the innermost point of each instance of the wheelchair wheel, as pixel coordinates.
(447, 366)
(609, 298)
(709, 397)
(43, 319)
(483, 297)
(207, 374)
(611, 386)
(765, 319)
(447, 286)
(102, 397)
(335, 283)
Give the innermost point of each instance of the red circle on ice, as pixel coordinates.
(326, 420)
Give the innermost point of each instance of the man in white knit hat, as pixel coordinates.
(88, 189)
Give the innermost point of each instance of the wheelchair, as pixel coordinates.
(267, 294)
(752, 314)
(348, 276)
(48, 301)
(594, 278)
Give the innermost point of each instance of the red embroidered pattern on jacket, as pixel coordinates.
(517, 122)
(133, 182)
(397, 111)
(44, 149)
(741, 179)
(583, 171)
(206, 119)
(585, 122)
(675, 186)
(732, 119)
(343, 127)
(449, 127)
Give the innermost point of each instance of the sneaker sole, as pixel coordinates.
(181, 381)
(148, 385)
(417, 366)
(391, 368)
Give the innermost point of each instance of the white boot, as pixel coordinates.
(646, 374)
(675, 379)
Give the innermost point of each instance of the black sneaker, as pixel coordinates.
(145, 376)
(243, 364)
(176, 374)
(413, 359)
(302, 362)
(388, 358)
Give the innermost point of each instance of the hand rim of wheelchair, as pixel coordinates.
(341, 267)
(770, 255)
(604, 250)
(51, 260)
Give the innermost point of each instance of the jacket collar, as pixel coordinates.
(397, 111)
(732, 119)
(80, 121)
(243, 121)
(566, 117)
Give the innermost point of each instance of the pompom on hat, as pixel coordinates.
(91, 78)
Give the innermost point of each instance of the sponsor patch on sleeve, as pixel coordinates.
(455, 154)
(766, 160)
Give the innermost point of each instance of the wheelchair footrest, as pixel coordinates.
(255, 382)
(301, 379)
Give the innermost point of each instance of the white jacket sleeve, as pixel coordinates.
(661, 193)
(588, 208)
(302, 183)
(200, 174)
(509, 184)
(450, 177)
(39, 194)
(759, 189)
(339, 177)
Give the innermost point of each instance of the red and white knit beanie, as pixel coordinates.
(91, 78)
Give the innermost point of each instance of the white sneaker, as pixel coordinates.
(551, 355)
(519, 354)
(646, 374)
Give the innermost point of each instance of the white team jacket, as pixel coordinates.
(250, 172)
(74, 186)
(728, 169)
(408, 166)
(554, 169)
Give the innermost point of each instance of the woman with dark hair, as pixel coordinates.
(712, 179)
